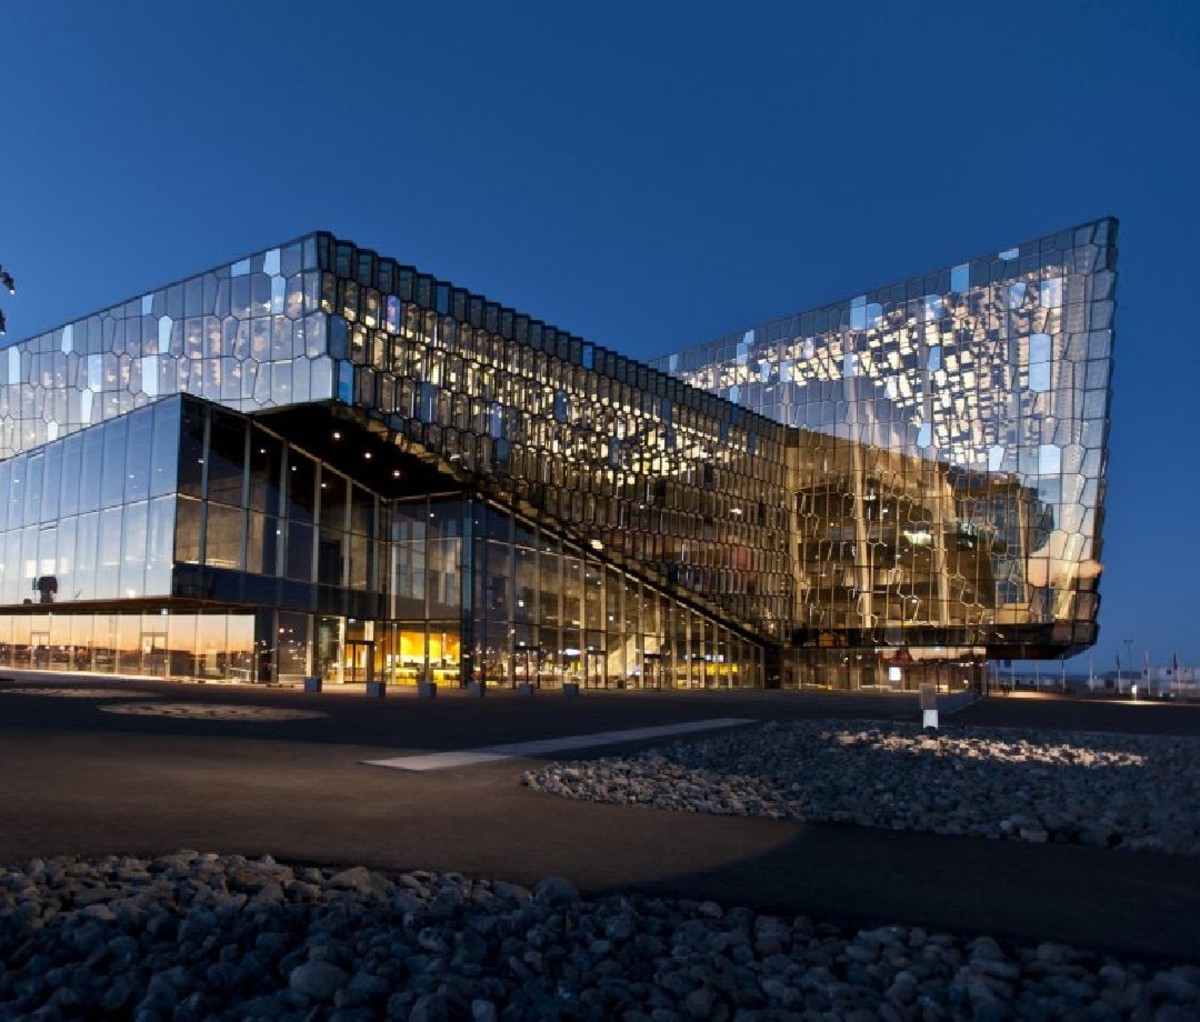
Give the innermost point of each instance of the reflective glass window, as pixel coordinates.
(72, 448)
(65, 568)
(334, 494)
(164, 447)
(299, 561)
(226, 457)
(361, 562)
(191, 449)
(108, 558)
(331, 557)
(15, 496)
(266, 466)
(86, 545)
(138, 452)
(223, 537)
(133, 559)
(35, 466)
(263, 540)
(90, 469)
(52, 482)
(10, 569)
(362, 511)
(160, 536)
(112, 477)
(188, 534)
(301, 487)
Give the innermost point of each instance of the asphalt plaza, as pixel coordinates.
(80, 781)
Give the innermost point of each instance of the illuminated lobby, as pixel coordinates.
(318, 462)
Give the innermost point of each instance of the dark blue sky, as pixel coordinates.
(644, 175)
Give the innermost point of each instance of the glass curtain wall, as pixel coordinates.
(675, 484)
(92, 516)
(952, 437)
(260, 521)
(546, 613)
(248, 334)
(159, 644)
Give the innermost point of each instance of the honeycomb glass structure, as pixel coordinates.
(316, 461)
(947, 465)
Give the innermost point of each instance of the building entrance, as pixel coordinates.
(359, 663)
(595, 669)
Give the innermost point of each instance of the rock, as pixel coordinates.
(356, 879)
(439, 1007)
(319, 980)
(699, 1003)
(556, 893)
(1175, 986)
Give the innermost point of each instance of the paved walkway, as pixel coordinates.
(83, 782)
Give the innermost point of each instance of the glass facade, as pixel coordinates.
(249, 335)
(317, 461)
(687, 490)
(951, 438)
(92, 516)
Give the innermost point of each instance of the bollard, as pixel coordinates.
(426, 689)
(376, 689)
(570, 688)
(928, 700)
(476, 689)
(312, 684)
(525, 689)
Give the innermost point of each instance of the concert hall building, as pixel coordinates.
(319, 462)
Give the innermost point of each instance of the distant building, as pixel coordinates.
(317, 461)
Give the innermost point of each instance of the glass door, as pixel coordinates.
(595, 669)
(39, 648)
(359, 664)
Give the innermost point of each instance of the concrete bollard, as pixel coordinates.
(525, 689)
(426, 689)
(376, 689)
(570, 688)
(929, 711)
(312, 684)
(476, 689)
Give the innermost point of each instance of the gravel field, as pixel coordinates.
(194, 937)
(191, 937)
(1110, 791)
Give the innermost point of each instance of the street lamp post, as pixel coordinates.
(1129, 659)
